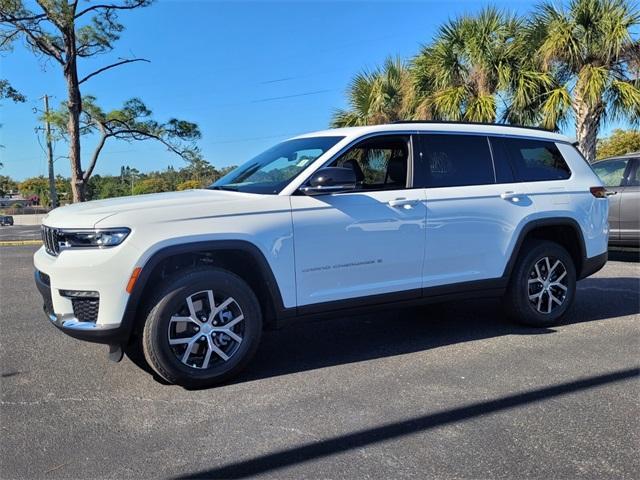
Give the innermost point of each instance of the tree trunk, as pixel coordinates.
(587, 126)
(96, 154)
(74, 104)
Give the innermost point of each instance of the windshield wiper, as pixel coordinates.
(223, 187)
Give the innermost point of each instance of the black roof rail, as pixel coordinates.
(452, 122)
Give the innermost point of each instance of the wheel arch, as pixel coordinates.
(565, 231)
(241, 257)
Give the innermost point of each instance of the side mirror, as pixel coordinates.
(330, 180)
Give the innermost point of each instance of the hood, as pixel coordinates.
(87, 214)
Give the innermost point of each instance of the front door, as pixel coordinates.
(614, 174)
(366, 242)
(630, 205)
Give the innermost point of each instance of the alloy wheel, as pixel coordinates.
(207, 330)
(547, 285)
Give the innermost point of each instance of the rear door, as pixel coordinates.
(473, 208)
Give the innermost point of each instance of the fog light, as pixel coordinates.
(79, 294)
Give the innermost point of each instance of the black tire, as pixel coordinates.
(170, 298)
(516, 300)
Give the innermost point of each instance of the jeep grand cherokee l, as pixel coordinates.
(330, 222)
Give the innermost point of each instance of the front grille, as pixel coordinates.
(86, 309)
(50, 240)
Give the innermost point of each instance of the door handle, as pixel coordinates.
(513, 196)
(402, 203)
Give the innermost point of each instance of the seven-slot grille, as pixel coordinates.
(50, 240)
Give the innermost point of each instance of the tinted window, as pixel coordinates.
(535, 160)
(634, 178)
(454, 160)
(611, 172)
(378, 163)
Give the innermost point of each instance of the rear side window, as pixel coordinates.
(534, 160)
(454, 160)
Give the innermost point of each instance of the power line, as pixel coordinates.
(271, 99)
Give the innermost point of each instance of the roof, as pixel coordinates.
(475, 128)
(626, 155)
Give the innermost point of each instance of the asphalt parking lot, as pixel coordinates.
(19, 233)
(447, 391)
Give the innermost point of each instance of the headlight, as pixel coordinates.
(92, 238)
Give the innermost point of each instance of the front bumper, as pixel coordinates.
(593, 265)
(69, 324)
(104, 271)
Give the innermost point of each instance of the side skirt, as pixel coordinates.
(361, 305)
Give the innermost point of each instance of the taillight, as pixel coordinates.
(598, 192)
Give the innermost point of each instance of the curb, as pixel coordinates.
(19, 243)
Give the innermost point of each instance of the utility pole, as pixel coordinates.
(53, 195)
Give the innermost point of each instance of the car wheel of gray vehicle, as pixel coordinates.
(204, 327)
(542, 285)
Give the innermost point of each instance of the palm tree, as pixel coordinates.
(380, 96)
(583, 65)
(470, 63)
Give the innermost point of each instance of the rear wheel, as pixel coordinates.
(203, 329)
(542, 285)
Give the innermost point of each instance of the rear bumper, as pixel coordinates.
(87, 331)
(592, 265)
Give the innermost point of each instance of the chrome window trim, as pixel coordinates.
(412, 132)
(366, 136)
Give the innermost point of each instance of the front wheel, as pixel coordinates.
(203, 329)
(542, 285)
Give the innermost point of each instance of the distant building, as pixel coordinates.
(13, 199)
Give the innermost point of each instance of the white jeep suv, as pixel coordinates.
(329, 222)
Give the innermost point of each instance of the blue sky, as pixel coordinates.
(248, 73)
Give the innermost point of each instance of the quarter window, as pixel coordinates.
(455, 160)
(535, 160)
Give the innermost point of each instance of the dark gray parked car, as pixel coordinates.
(622, 175)
(6, 220)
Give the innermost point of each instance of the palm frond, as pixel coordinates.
(555, 108)
(481, 109)
(624, 100)
(591, 84)
(449, 103)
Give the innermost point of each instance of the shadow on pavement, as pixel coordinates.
(344, 340)
(324, 448)
(626, 255)
(359, 338)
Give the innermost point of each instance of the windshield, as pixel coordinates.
(274, 169)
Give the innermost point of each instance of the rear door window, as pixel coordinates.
(450, 160)
(534, 160)
(611, 172)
